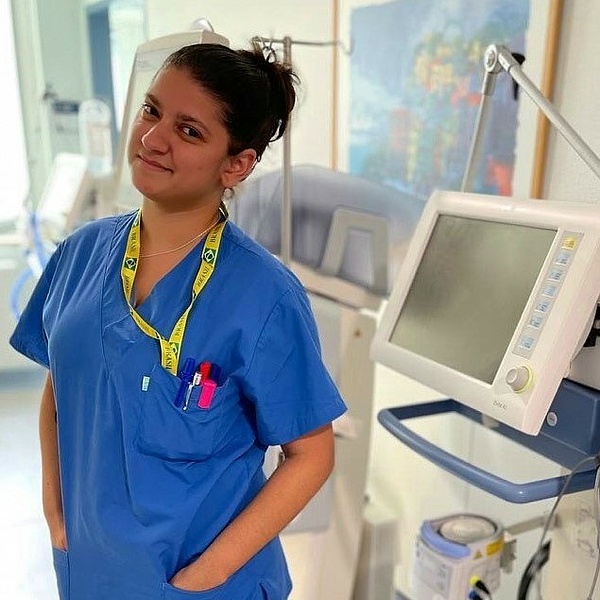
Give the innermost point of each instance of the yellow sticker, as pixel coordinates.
(494, 547)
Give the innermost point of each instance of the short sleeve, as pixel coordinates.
(29, 337)
(290, 386)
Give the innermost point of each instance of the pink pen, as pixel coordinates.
(206, 394)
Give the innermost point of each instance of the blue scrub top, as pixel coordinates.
(147, 486)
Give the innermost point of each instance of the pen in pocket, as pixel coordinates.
(186, 374)
(205, 369)
(202, 374)
(194, 381)
(215, 373)
(206, 394)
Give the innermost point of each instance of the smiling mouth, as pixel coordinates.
(153, 164)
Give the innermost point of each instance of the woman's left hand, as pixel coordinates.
(308, 462)
(193, 579)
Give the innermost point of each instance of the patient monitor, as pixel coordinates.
(493, 301)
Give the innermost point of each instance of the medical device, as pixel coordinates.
(285, 250)
(148, 58)
(65, 197)
(494, 300)
(60, 209)
(95, 136)
(344, 227)
(511, 309)
(456, 555)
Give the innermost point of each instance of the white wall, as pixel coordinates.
(31, 79)
(65, 57)
(576, 96)
(51, 40)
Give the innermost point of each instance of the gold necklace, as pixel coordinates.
(196, 237)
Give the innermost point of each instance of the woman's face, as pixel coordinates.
(178, 148)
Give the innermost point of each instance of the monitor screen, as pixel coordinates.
(493, 301)
(469, 292)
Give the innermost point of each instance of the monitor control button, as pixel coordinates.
(519, 378)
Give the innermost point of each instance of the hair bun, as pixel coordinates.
(281, 79)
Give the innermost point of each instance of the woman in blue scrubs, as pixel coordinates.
(178, 350)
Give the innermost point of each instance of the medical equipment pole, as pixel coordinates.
(487, 91)
(286, 207)
(499, 57)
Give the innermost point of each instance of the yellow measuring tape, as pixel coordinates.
(169, 348)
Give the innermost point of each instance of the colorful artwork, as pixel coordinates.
(416, 77)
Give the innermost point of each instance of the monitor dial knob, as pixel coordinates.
(519, 378)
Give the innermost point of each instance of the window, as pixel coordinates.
(14, 177)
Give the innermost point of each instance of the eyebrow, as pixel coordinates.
(180, 116)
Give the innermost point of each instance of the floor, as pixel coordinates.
(25, 558)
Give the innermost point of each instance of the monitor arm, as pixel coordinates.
(498, 58)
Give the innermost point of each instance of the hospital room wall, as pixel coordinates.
(52, 66)
(409, 486)
(576, 95)
(66, 63)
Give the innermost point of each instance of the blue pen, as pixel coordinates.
(186, 374)
(215, 373)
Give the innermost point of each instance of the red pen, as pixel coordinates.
(204, 370)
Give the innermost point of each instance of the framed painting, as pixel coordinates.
(410, 91)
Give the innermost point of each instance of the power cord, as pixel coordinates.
(550, 518)
(594, 332)
(597, 517)
(534, 566)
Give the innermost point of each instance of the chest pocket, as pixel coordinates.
(172, 433)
